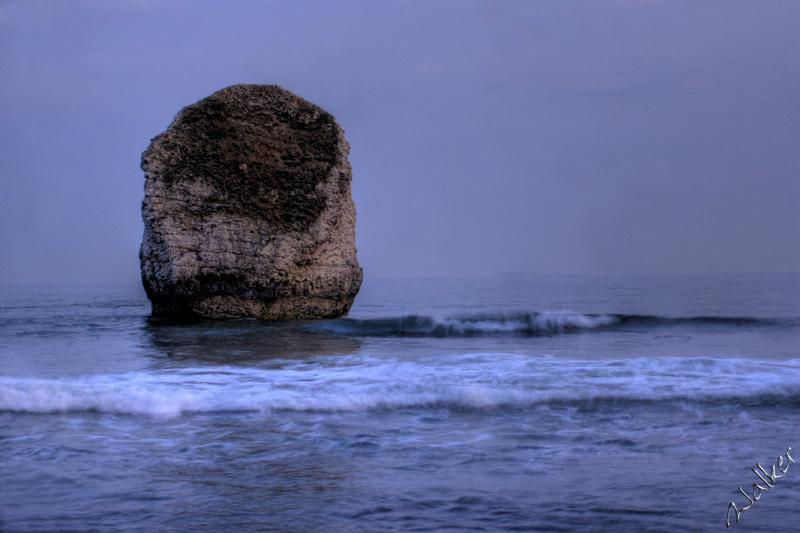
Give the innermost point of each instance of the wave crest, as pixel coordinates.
(469, 381)
(524, 323)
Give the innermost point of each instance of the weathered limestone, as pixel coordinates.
(248, 210)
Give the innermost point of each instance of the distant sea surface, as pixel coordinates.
(550, 403)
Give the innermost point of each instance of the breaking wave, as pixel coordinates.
(527, 324)
(357, 383)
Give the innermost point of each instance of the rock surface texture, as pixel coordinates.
(248, 211)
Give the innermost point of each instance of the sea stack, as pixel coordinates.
(248, 211)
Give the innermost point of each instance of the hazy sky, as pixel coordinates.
(626, 136)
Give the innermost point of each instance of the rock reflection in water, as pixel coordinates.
(243, 341)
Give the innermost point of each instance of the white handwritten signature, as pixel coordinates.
(772, 476)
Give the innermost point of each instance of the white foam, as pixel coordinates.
(498, 323)
(360, 383)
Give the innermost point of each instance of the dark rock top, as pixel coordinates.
(248, 210)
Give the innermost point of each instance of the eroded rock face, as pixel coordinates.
(248, 210)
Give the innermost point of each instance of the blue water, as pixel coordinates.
(550, 403)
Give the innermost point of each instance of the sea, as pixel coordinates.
(503, 403)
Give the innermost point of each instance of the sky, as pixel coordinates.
(487, 137)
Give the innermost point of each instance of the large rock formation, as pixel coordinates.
(248, 211)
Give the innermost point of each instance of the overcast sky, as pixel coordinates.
(623, 136)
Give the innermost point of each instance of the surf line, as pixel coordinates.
(772, 476)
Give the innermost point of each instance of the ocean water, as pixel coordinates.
(550, 403)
